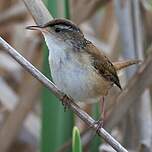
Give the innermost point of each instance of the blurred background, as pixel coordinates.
(31, 118)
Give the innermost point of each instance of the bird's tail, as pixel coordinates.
(123, 64)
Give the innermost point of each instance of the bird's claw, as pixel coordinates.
(65, 102)
(99, 124)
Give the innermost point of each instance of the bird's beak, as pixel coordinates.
(37, 27)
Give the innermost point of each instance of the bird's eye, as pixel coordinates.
(57, 30)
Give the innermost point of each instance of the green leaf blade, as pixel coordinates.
(76, 141)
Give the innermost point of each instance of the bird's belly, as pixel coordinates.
(82, 84)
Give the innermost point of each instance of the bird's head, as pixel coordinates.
(60, 30)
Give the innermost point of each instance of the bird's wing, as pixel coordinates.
(102, 64)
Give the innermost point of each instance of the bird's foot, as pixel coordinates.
(99, 124)
(65, 102)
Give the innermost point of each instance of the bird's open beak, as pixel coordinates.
(39, 28)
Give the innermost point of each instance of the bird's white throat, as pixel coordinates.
(56, 47)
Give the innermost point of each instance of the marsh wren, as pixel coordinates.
(78, 68)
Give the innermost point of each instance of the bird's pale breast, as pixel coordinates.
(81, 82)
(76, 78)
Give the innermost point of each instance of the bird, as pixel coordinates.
(77, 66)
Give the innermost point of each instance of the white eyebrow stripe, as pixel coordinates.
(64, 27)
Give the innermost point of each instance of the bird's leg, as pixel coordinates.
(65, 102)
(102, 102)
(100, 122)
